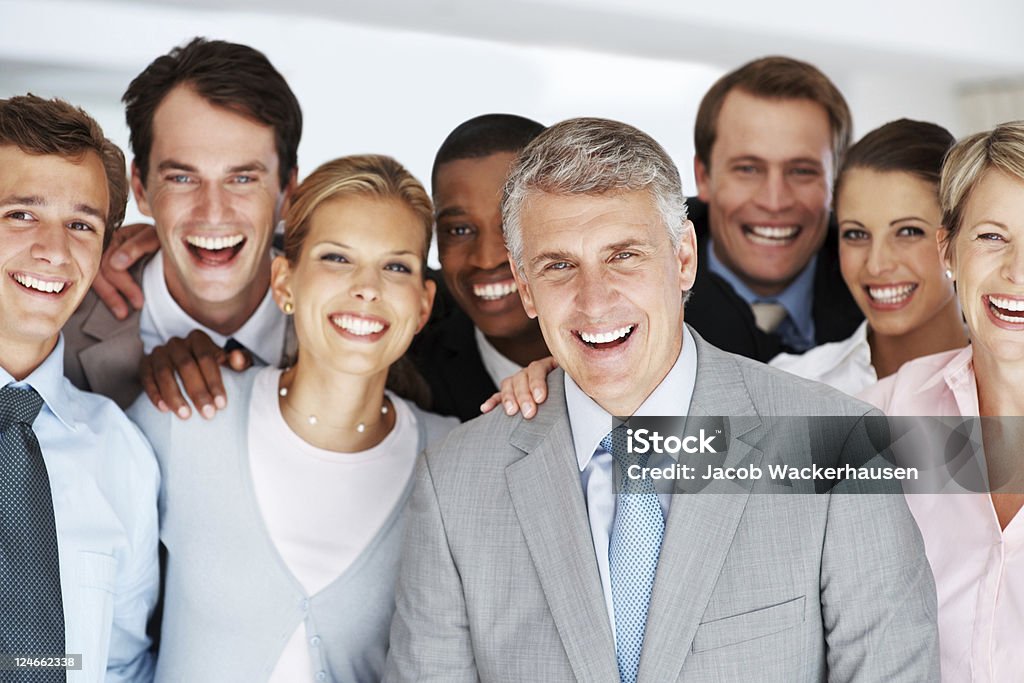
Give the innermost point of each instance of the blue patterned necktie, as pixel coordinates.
(31, 606)
(633, 550)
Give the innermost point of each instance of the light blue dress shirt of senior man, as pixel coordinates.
(589, 423)
(104, 480)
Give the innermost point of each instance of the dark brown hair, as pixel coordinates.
(228, 75)
(39, 126)
(914, 147)
(774, 78)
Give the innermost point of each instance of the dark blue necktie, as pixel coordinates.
(31, 606)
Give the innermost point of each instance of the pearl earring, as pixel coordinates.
(288, 308)
(949, 274)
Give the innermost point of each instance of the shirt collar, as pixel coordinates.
(797, 298)
(958, 375)
(262, 334)
(590, 422)
(498, 367)
(49, 382)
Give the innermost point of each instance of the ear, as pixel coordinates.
(427, 303)
(945, 248)
(280, 281)
(687, 255)
(139, 191)
(524, 289)
(703, 176)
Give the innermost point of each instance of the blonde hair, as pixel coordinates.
(371, 175)
(1001, 148)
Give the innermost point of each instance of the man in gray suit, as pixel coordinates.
(215, 131)
(522, 563)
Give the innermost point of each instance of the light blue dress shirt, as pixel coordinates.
(104, 479)
(590, 422)
(797, 299)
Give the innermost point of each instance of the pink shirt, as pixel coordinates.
(978, 567)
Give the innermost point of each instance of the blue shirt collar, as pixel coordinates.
(48, 380)
(797, 299)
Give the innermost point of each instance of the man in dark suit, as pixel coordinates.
(466, 350)
(769, 137)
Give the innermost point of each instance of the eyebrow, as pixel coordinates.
(24, 200)
(342, 245)
(754, 157)
(989, 221)
(450, 211)
(174, 164)
(37, 200)
(907, 218)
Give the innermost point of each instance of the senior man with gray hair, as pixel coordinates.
(526, 561)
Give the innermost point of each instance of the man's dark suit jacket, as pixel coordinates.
(447, 356)
(725, 320)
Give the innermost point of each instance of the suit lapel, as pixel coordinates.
(701, 526)
(104, 363)
(545, 489)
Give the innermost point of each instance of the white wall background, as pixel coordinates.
(395, 76)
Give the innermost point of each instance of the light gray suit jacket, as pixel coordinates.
(499, 580)
(102, 354)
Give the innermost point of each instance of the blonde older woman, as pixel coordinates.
(975, 542)
(281, 516)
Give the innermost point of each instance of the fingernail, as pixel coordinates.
(119, 260)
(527, 409)
(184, 412)
(220, 402)
(162, 407)
(208, 411)
(536, 395)
(510, 408)
(120, 313)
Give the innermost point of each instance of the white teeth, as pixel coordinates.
(1007, 318)
(358, 326)
(214, 243)
(40, 285)
(890, 294)
(494, 291)
(605, 337)
(769, 234)
(1007, 304)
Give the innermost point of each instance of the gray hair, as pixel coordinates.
(594, 157)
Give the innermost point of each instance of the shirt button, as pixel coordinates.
(321, 676)
(304, 604)
(314, 641)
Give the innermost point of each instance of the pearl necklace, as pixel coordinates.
(312, 420)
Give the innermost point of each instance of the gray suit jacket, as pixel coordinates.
(102, 353)
(499, 580)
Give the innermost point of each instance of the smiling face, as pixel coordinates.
(605, 282)
(768, 187)
(887, 252)
(52, 219)
(358, 287)
(213, 192)
(987, 260)
(471, 246)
